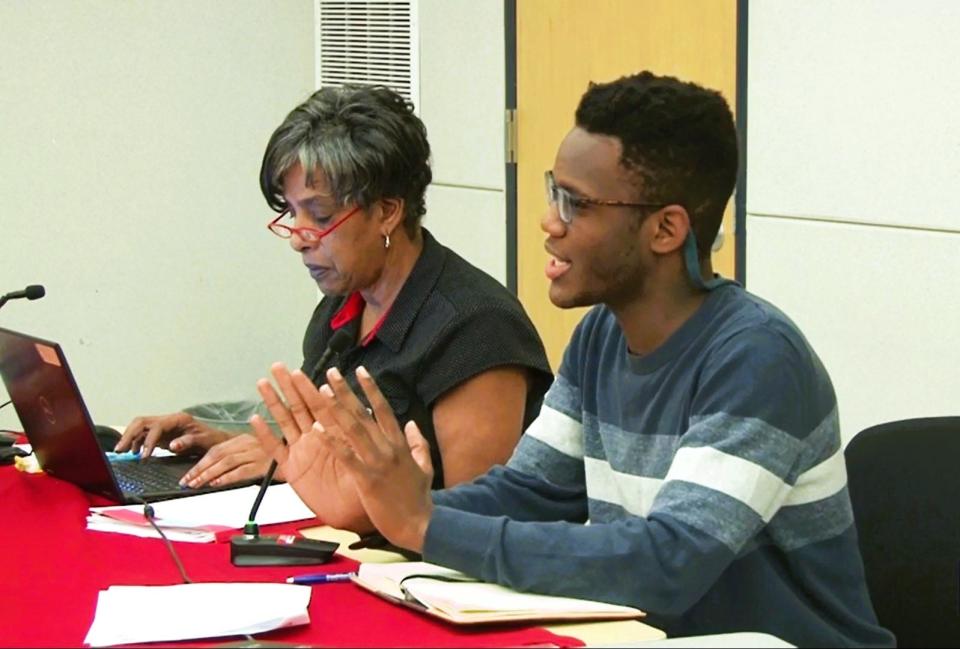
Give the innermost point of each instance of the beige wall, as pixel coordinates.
(132, 132)
(131, 140)
(462, 105)
(853, 221)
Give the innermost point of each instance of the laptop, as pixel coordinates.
(58, 426)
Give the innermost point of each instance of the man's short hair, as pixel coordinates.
(678, 138)
(365, 139)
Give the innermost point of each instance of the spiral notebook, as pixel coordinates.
(456, 598)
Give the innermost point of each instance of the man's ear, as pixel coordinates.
(672, 223)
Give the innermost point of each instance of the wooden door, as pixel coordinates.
(561, 46)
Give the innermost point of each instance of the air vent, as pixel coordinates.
(369, 43)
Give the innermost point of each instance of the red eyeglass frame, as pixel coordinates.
(310, 235)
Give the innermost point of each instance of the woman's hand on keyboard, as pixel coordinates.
(179, 432)
(238, 458)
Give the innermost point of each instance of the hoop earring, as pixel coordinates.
(386, 241)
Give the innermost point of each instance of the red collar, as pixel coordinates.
(352, 309)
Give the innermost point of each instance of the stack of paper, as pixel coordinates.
(455, 597)
(134, 614)
(198, 518)
(138, 526)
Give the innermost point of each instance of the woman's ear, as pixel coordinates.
(391, 214)
(672, 225)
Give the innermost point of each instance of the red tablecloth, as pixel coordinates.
(54, 569)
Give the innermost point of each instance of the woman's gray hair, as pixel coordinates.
(367, 142)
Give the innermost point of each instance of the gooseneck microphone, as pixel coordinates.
(251, 528)
(32, 292)
(251, 549)
(338, 344)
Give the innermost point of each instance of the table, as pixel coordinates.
(55, 567)
(744, 640)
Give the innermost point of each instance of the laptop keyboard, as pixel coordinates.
(145, 477)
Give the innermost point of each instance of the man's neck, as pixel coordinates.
(663, 306)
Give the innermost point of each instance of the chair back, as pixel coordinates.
(904, 482)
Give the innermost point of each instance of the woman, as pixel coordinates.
(451, 349)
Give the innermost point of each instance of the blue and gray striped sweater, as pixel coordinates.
(709, 473)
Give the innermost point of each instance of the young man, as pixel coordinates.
(690, 424)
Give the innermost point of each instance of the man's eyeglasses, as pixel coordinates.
(308, 235)
(568, 204)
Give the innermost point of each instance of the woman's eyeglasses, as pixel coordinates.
(308, 235)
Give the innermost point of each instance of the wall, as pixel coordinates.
(132, 135)
(853, 223)
(462, 105)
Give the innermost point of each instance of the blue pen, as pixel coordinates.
(321, 578)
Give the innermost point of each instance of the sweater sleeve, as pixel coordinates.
(760, 433)
(525, 497)
(539, 483)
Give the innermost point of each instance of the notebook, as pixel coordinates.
(455, 597)
(58, 427)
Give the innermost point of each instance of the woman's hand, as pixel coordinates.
(305, 462)
(239, 458)
(178, 431)
(390, 467)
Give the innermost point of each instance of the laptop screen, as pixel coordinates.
(52, 412)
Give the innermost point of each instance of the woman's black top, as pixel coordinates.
(450, 322)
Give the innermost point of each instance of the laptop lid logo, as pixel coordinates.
(47, 408)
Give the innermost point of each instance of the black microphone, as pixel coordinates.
(338, 344)
(32, 292)
(251, 549)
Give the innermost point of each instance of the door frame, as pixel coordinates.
(510, 103)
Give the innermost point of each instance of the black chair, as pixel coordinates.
(904, 481)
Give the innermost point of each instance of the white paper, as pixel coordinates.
(211, 511)
(191, 611)
(100, 523)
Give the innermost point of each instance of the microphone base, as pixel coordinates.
(282, 550)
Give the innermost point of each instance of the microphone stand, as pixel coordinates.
(251, 528)
(251, 549)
